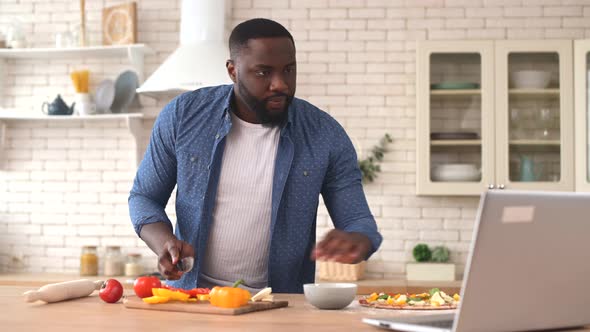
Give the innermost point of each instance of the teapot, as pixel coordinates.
(57, 107)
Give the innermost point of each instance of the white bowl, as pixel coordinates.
(330, 295)
(456, 172)
(530, 79)
(457, 167)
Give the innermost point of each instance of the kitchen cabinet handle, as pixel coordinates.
(501, 186)
(491, 186)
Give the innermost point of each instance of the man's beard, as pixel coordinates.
(265, 117)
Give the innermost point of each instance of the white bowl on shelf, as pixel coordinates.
(456, 172)
(530, 79)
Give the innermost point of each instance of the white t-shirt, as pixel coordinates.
(239, 237)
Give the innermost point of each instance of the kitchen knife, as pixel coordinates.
(185, 264)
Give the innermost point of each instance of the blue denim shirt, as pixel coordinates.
(314, 156)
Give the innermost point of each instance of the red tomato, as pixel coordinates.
(143, 286)
(111, 291)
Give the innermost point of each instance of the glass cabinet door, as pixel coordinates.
(534, 115)
(454, 120)
(582, 96)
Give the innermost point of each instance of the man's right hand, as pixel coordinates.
(170, 250)
(174, 251)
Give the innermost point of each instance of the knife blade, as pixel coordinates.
(185, 264)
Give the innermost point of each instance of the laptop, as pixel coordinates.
(528, 267)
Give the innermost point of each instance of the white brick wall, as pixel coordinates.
(65, 184)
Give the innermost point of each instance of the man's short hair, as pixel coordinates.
(252, 29)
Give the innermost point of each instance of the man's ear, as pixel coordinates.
(231, 69)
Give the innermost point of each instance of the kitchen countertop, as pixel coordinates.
(91, 314)
(366, 286)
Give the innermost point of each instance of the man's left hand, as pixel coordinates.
(342, 247)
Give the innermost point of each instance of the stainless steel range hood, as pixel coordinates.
(199, 61)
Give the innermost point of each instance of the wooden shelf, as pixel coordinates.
(457, 92)
(132, 120)
(74, 52)
(13, 115)
(455, 142)
(534, 92)
(536, 142)
(542, 146)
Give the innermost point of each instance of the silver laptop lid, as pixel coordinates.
(529, 267)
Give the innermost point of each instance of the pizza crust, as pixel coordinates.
(377, 305)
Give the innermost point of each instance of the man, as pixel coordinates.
(250, 161)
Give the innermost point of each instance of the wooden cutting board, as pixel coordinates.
(202, 307)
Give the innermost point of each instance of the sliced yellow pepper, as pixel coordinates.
(173, 295)
(156, 299)
(373, 297)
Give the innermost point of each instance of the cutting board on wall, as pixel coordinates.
(202, 307)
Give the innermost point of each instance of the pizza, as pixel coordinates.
(435, 299)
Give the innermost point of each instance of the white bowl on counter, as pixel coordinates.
(530, 79)
(456, 172)
(330, 295)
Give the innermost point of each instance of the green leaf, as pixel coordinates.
(434, 290)
(369, 166)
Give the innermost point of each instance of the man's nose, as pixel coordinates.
(278, 83)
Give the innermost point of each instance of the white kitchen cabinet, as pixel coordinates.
(478, 129)
(582, 106)
(454, 126)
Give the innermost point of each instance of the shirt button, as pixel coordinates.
(217, 136)
(305, 173)
(192, 159)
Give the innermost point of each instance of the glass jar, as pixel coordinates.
(88, 261)
(113, 262)
(133, 267)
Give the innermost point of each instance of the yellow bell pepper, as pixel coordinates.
(229, 297)
(172, 295)
(156, 299)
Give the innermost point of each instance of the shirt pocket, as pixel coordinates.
(307, 178)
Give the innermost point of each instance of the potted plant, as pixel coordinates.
(430, 265)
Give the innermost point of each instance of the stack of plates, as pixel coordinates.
(454, 135)
(125, 87)
(454, 85)
(104, 96)
(116, 97)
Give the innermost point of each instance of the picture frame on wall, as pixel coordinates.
(119, 24)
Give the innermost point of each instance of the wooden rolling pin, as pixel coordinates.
(63, 291)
